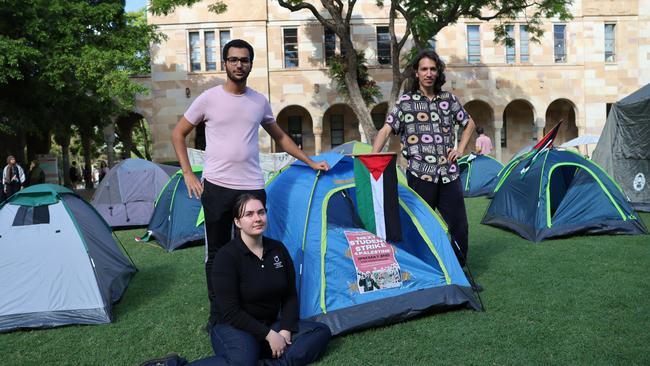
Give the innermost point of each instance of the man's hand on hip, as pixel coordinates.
(452, 155)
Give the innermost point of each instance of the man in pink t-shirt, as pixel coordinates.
(483, 143)
(232, 114)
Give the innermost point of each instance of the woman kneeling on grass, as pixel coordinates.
(254, 282)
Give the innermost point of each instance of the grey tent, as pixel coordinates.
(624, 147)
(126, 196)
(59, 263)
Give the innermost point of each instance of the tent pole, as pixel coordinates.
(125, 251)
(473, 283)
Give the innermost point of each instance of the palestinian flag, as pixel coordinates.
(543, 145)
(375, 178)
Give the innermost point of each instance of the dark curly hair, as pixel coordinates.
(238, 43)
(440, 80)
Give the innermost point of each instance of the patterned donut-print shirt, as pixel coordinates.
(426, 129)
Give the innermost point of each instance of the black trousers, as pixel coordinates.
(217, 204)
(448, 199)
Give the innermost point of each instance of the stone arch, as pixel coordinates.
(483, 116)
(518, 127)
(378, 114)
(297, 122)
(562, 109)
(340, 125)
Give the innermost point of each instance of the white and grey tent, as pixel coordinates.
(623, 149)
(59, 263)
(126, 196)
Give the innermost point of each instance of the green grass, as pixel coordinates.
(578, 301)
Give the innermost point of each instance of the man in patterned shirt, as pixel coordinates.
(425, 118)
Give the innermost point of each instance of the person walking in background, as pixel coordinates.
(103, 170)
(13, 176)
(36, 174)
(483, 145)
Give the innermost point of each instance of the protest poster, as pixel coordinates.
(374, 260)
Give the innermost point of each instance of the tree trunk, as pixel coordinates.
(147, 153)
(86, 144)
(357, 103)
(125, 126)
(64, 142)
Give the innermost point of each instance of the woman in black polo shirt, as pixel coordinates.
(256, 304)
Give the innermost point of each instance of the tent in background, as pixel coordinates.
(59, 263)
(478, 174)
(315, 216)
(176, 221)
(126, 196)
(561, 193)
(624, 147)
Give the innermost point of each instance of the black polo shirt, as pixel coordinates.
(251, 292)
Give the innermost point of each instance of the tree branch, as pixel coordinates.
(303, 5)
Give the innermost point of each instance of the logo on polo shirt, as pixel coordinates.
(277, 263)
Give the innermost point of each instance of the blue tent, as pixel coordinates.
(176, 221)
(561, 193)
(478, 175)
(314, 215)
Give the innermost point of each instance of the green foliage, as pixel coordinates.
(164, 7)
(338, 70)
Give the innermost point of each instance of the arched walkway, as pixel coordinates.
(483, 116)
(339, 125)
(518, 127)
(297, 123)
(562, 109)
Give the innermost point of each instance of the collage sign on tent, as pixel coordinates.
(374, 260)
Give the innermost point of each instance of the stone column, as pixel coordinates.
(498, 125)
(538, 131)
(318, 142)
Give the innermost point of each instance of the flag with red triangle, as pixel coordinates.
(543, 145)
(376, 194)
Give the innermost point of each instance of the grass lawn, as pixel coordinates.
(578, 301)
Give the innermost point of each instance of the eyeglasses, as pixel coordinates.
(234, 60)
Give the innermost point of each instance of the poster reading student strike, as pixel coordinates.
(374, 260)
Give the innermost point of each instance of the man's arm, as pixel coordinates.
(182, 129)
(464, 139)
(286, 143)
(380, 139)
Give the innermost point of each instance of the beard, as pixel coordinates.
(237, 79)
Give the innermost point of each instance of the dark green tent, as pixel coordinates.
(624, 147)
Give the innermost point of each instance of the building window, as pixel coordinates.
(383, 45)
(523, 43)
(559, 42)
(295, 129)
(224, 37)
(510, 50)
(329, 43)
(195, 51)
(290, 47)
(337, 132)
(610, 43)
(473, 44)
(210, 51)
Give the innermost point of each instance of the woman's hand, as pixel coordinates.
(277, 343)
(287, 336)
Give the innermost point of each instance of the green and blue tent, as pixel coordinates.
(347, 277)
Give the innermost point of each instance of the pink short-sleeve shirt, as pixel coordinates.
(231, 131)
